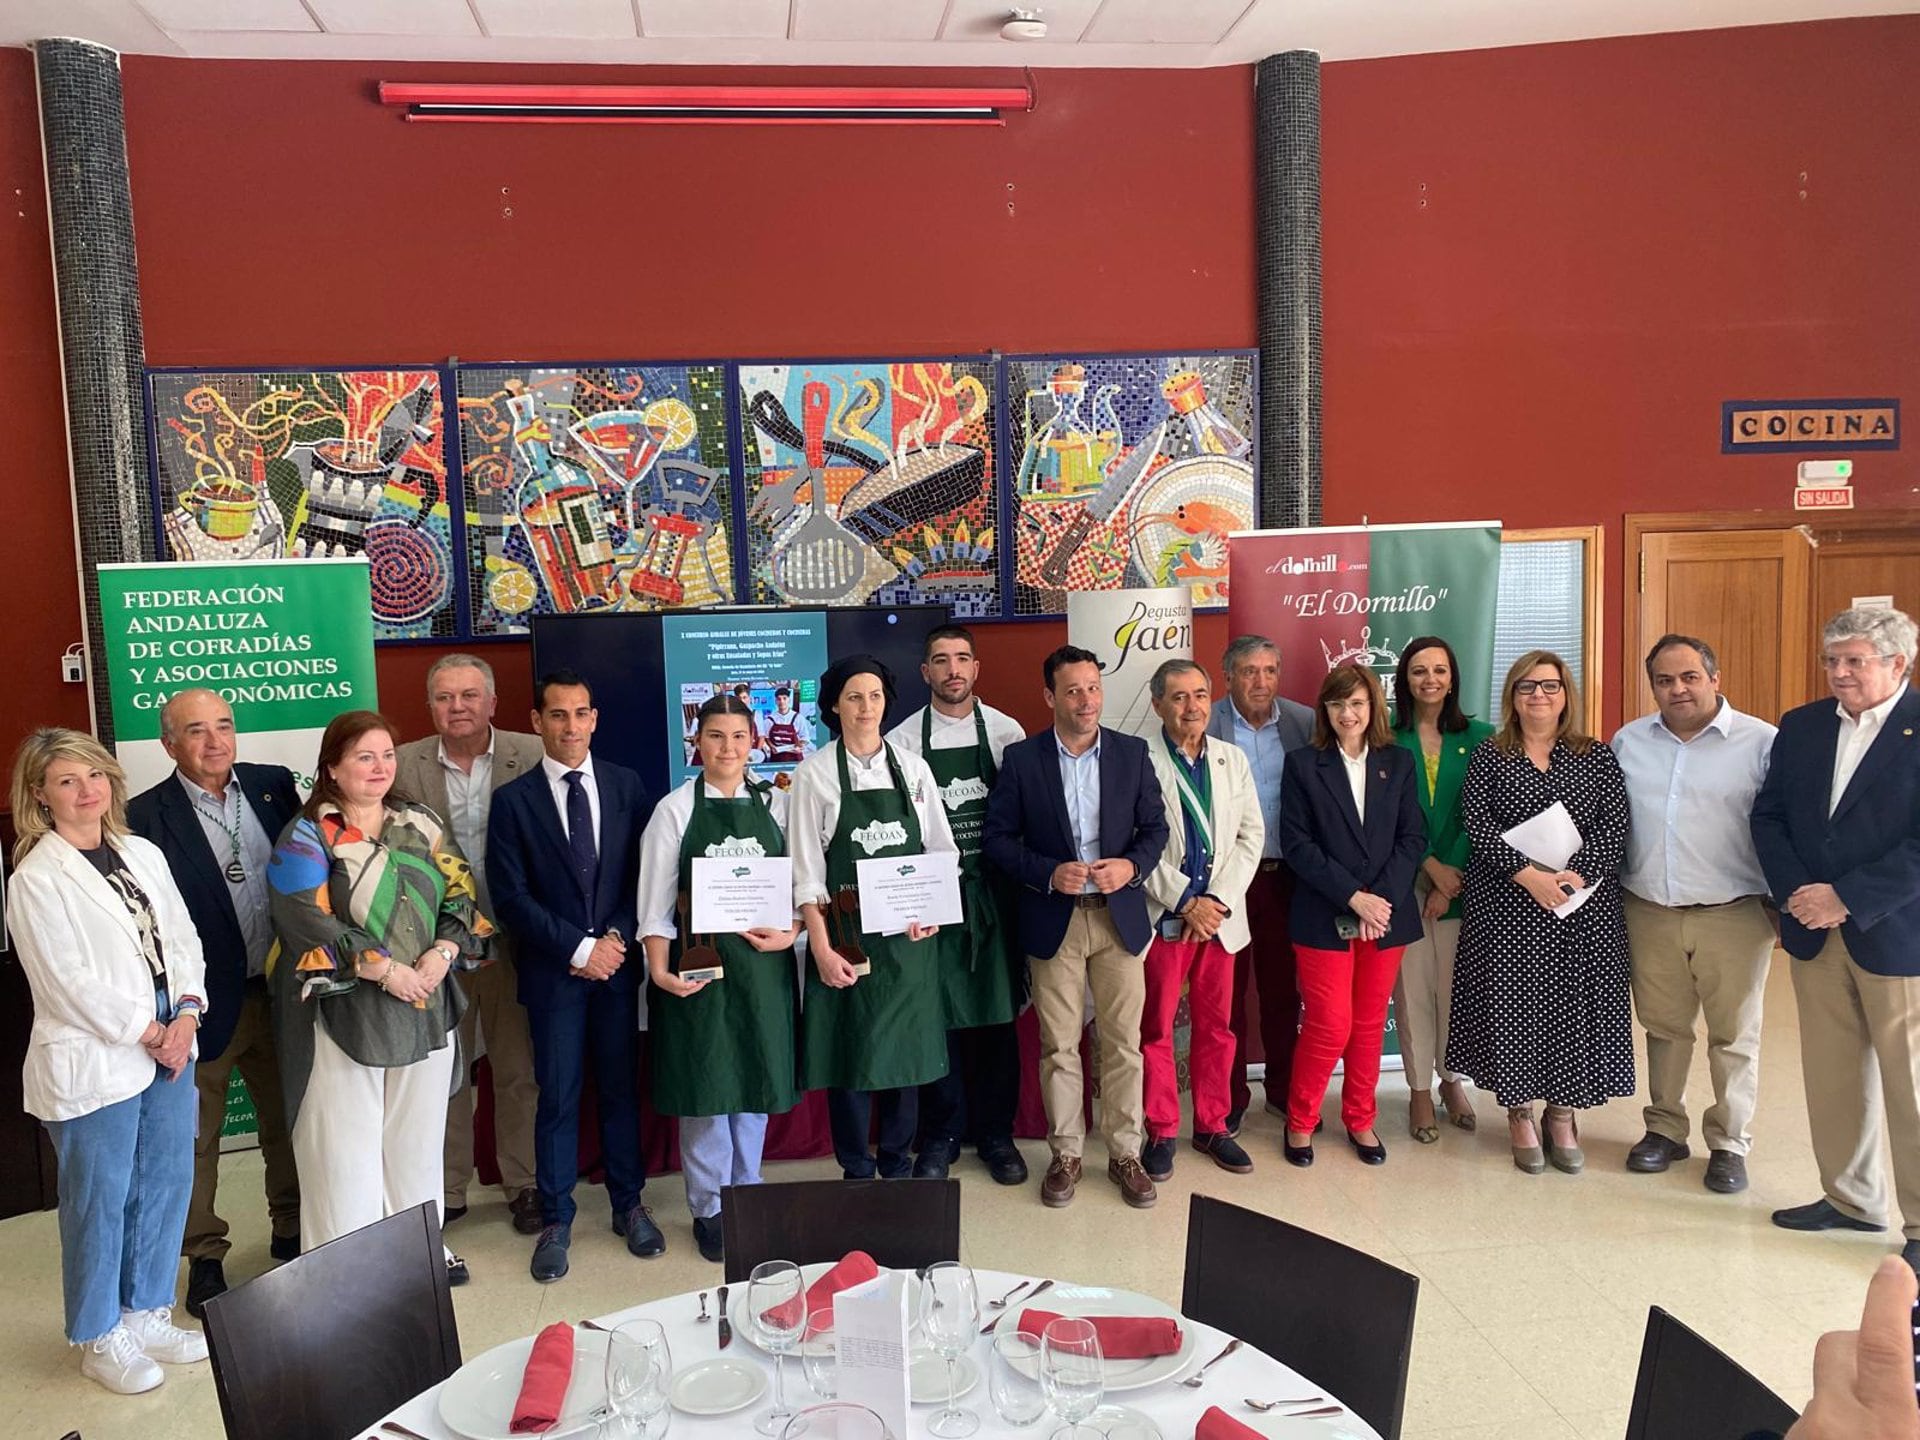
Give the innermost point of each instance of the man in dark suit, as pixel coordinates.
(217, 821)
(1076, 819)
(563, 847)
(1837, 828)
(1267, 726)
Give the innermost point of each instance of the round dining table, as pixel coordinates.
(1246, 1374)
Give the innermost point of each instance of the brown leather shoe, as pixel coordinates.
(526, 1211)
(1062, 1176)
(1135, 1188)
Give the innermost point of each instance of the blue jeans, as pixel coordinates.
(126, 1175)
(719, 1150)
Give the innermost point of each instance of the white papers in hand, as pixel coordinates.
(896, 890)
(870, 1325)
(1550, 839)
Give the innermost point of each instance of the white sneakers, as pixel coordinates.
(123, 1359)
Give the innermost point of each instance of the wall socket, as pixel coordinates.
(73, 665)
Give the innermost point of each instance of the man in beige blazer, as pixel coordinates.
(455, 772)
(1197, 898)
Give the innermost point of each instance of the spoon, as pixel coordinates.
(1265, 1405)
(1001, 1303)
(1193, 1381)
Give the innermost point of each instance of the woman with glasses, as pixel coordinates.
(1540, 996)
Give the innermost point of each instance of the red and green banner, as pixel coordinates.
(1331, 595)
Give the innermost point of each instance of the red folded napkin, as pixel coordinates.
(1217, 1424)
(1122, 1337)
(856, 1267)
(543, 1390)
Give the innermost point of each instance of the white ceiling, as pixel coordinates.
(868, 32)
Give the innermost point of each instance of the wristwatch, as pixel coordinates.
(448, 950)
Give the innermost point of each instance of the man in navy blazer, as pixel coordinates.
(563, 849)
(214, 819)
(1837, 828)
(1076, 819)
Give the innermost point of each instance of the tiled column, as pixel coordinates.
(1287, 158)
(97, 284)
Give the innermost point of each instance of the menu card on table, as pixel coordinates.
(870, 1324)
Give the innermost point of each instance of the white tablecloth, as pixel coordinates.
(1247, 1373)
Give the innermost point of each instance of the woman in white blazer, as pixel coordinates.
(1197, 898)
(118, 988)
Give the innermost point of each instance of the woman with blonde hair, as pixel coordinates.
(1540, 995)
(114, 965)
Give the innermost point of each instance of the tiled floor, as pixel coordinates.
(1533, 1297)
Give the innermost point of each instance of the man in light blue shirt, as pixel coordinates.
(1700, 935)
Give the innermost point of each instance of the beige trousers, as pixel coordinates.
(1852, 1022)
(251, 1052)
(493, 1010)
(1091, 957)
(1422, 996)
(1711, 958)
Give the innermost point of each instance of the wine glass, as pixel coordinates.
(1013, 1378)
(777, 1310)
(837, 1420)
(949, 1313)
(639, 1378)
(819, 1355)
(1072, 1372)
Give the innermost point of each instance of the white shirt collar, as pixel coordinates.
(1874, 716)
(557, 773)
(487, 753)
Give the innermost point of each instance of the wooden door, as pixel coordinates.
(1861, 563)
(1746, 593)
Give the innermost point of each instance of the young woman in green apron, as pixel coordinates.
(722, 1050)
(868, 1038)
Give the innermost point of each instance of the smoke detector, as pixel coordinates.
(1024, 25)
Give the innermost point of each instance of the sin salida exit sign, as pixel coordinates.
(1808, 427)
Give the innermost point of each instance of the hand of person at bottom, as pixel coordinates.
(176, 1045)
(1070, 877)
(835, 972)
(767, 940)
(1434, 906)
(1371, 910)
(1863, 1379)
(1203, 916)
(404, 985)
(917, 931)
(666, 980)
(1111, 875)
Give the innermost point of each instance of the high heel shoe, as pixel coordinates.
(1427, 1134)
(1530, 1159)
(1463, 1117)
(1301, 1155)
(1374, 1154)
(1567, 1159)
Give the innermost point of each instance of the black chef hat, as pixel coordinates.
(836, 678)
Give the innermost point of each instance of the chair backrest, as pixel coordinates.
(903, 1224)
(327, 1344)
(1343, 1319)
(1689, 1390)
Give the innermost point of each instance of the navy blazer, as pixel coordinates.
(1027, 833)
(541, 901)
(1333, 854)
(165, 815)
(1868, 849)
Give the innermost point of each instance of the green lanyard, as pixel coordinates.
(1196, 801)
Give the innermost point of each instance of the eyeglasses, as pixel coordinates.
(1545, 687)
(1853, 664)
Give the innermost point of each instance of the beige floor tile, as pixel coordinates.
(1583, 1362)
(1598, 1424)
(1533, 1427)
(1457, 1375)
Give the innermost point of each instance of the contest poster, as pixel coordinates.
(1132, 632)
(1331, 595)
(288, 643)
(771, 661)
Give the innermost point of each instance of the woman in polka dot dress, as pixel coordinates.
(1540, 1002)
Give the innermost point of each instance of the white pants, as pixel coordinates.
(368, 1140)
(1422, 996)
(717, 1150)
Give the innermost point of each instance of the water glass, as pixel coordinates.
(1013, 1378)
(819, 1355)
(777, 1310)
(1073, 1373)
(639, 1379)
(838, 1420)
(950, 1321)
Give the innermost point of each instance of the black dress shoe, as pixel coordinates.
(457, 1271)
(1655, 1153)
(1374, 1154)
(205, 1279)
(284, 1247)
(1235, 1118)
(644, 1238)
(1301, 1155)
(451, 1213)
(1157, 1159)
(1225, 1151)
(1004, 1163)
(550, 1254)
(1726, 1172)
(931, 1164)
(1821, 1215)
(707, 1235)
(525, 1208)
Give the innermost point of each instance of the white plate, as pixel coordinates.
(1123, 1422)
(927, 1377)
(717, 1387)
(1087, 1300)
(1282, 1427)
(809, 1276)
(477, 1400)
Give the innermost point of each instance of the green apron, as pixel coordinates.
(727, 1050)
(886, 1029)
(976, 960)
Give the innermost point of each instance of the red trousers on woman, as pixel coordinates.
(1345, 994)
(1207, 969)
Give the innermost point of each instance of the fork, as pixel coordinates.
(394, 1427)
(1193, 1381)
(1001, 1303)
(1265, 1405)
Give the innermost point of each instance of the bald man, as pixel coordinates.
(216, 821)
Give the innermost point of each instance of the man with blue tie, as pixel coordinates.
(1837, 825)
(563, 862)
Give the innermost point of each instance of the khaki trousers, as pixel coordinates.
(251, 1052)
(1711, 958)
(1091, 957)
(1422, 999)
(1852, 1021)
(493, 1010)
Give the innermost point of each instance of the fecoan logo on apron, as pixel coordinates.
(736, 845)
(963, 790)
(877, 836)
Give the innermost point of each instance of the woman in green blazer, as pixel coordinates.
(1429, 722)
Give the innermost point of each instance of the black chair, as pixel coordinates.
(1344, 1320)
(903, 1224)
(327, 1344)
(1689, 1390)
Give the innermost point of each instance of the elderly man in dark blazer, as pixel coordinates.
(1837, 828)
(216, 819)
(1076, 820)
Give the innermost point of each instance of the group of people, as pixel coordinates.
(350, 951)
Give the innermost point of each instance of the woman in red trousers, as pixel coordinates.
(1350, 827)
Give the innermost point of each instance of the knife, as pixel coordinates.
(1105, 501)
(726, 1325)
